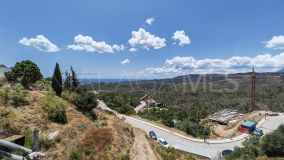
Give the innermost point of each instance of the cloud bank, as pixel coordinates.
(276, 42)
(264, 62)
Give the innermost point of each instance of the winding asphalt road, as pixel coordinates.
(210, 148)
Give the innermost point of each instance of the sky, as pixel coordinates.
(143, 38)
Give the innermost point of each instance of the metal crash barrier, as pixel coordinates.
(29, 154)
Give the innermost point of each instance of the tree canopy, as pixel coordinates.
(56, 81)
(26, 72)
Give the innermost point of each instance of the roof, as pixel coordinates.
(248, 123)
(162, 140)
(225, 116)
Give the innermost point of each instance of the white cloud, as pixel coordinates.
(126, 61)
(39, 42)
(145, 40)
(264, 62)
(88, 44)
(181, 37)
(150, 20)
(132, 50)
(118, 48)
(277, 42)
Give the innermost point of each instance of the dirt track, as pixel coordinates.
(141, 148)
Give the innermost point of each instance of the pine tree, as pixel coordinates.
(75, 81)
(57, 80)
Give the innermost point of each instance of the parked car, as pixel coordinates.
(226, 152)
(258, 132)
(164, 143)
(153, 135)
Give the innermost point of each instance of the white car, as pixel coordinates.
(164, 143)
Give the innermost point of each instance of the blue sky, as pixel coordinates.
(212, 36)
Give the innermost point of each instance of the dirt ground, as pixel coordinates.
(141, 149)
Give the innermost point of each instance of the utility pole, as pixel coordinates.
(253, 82)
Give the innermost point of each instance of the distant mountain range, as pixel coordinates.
(3, 69)
(282, 70)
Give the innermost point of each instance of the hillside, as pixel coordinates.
(116, 137)
(206, 91)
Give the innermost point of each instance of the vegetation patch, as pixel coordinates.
(121, 103)
(270, 145)
(25, 72)
(55, 108)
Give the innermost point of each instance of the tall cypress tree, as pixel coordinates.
(75, 81)
(67, 82)
(56, 81)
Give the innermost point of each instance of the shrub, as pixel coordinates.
(121, 103)
(168, 153)
(26, 72)
(19, 95)
(13, 95)
(43, 85)
(272, 144)
(168, 122)
(69, 96)
(76, 154)
(126, 157)
(86, 101)
(2, 81)
(128, 110)
(193, 129)
(55, 108)
(97, 139)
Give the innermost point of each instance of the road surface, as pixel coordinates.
(210, 148)
(140, 106)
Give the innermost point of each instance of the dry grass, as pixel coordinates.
(3, 80)
(79, 132)
(97, 139)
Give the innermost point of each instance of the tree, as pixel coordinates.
(272, 144)
(86, 102)
(74, 79)
(25, 72)
(67, 82)
(56, 81)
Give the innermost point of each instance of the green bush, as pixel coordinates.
(19, 95)
(86, 101)
(55, 108)
(43, 85)
(273, 144)
(26, 72)
(121, 103)
(194, 129)
(128, 110)
(69, 96)
(13, 95)
(76, 154)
